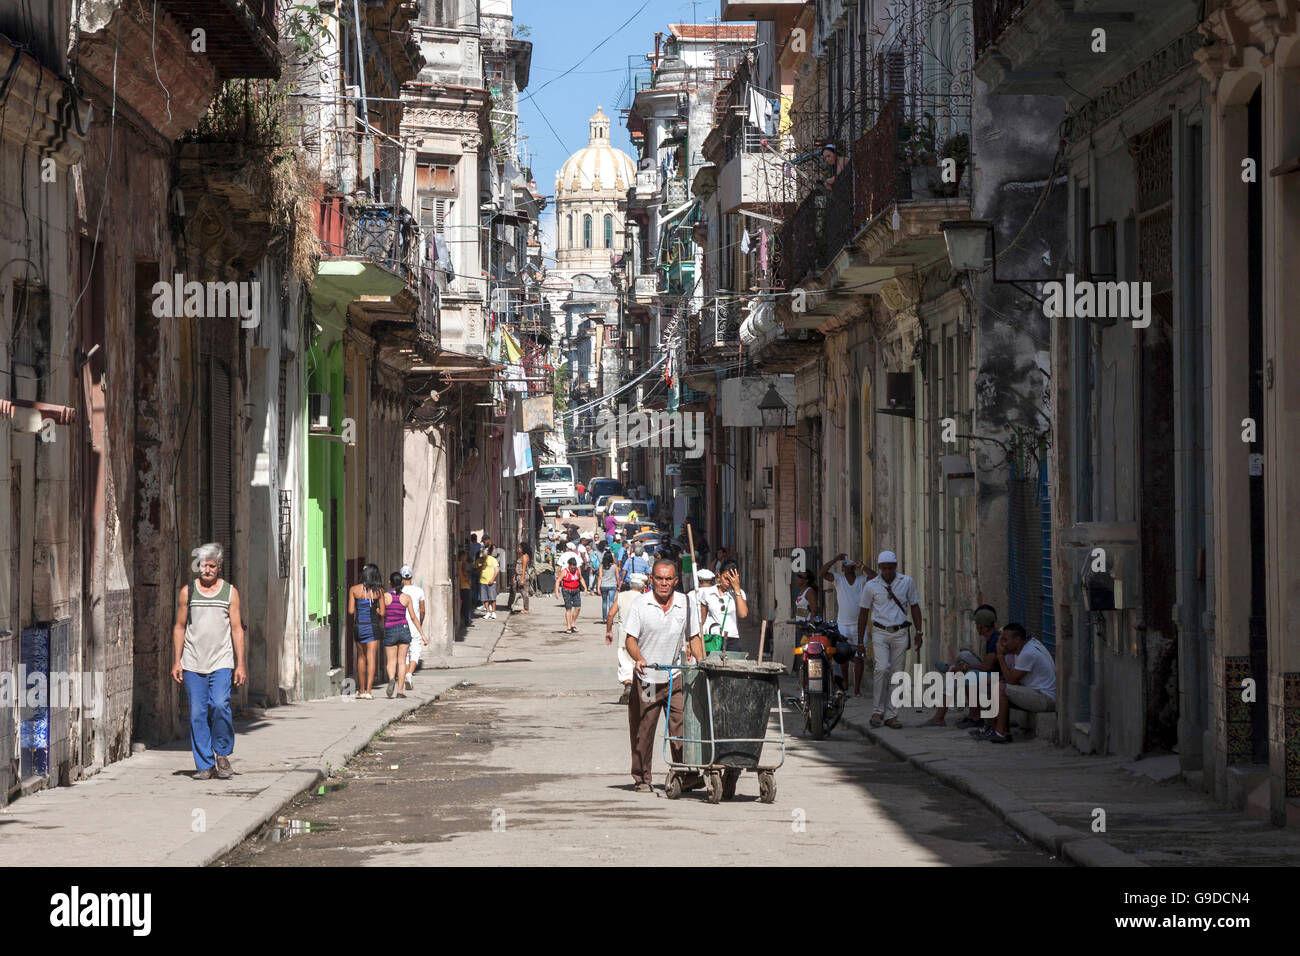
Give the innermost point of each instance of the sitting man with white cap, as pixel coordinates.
(885, 603)
(636, 586)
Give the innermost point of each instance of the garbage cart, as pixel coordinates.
(726, 712)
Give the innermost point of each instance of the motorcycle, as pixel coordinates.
(824, 655)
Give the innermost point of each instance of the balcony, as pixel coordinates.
(753, 174)
(241, 35)
(1045, 46)
(881, 216)
(675, 193)
(645, 288)
(719, 325)
(739, 10)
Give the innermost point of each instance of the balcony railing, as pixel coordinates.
(801, 240)
(719, 324)
(877, 168)
(991, 18)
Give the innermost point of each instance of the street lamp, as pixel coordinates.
(965, 239)
(772, 410)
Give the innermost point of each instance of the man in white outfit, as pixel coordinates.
(414, 612)
(849, 585)
(886, 601)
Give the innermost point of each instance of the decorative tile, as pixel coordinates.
(1238, 744)
(1291, 732)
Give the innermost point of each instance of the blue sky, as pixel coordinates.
(563, 33)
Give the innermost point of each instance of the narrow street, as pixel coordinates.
(536, 743)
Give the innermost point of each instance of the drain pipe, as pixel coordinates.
(361, 80)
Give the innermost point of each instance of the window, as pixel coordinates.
(609, 232)
(570, 218)
(586, 231)
(438, 177)
(444, 13)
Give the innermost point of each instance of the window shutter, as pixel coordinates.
(220, 418)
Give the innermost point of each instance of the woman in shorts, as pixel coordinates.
(397, 633)
(365, 604)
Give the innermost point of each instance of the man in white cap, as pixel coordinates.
(413, 613)
(885, 605)
(849, 585)
(636, 585)
(720, 607)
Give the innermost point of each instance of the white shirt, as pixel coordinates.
(1036, 661)
(720, 608)
(413, 612)
(660, 634)
(883, 609)
(848, 598)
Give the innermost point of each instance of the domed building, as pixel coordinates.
(588, 187)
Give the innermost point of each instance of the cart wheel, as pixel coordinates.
(715, 786)
(767, 786)
(673, 785)
(729, 778)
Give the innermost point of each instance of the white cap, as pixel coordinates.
(407, 571)
(704, 574)
(586, 535)
(887, 557)
(571, 546)
(636, 580)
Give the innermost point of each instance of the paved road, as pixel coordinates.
(528, 764)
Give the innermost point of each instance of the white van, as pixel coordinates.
(553, 486)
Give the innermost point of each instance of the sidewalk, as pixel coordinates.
(1049, 794)
(147, 811)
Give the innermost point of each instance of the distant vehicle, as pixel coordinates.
(583, 511)
(602, 506)
(622, 507)
(553, 486)
(599, 487)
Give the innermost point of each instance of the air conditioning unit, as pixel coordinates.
(318, 412)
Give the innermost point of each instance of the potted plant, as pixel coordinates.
(956, 148)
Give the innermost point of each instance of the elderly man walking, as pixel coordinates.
(885, 603)
(657, 626)
(208, 657)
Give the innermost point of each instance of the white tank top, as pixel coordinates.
(801, 606)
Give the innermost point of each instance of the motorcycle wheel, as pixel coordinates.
(834, 716)
(816, 713)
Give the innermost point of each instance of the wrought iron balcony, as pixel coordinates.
(241, 35)
(991, 18)
(720, 324)
(801, 240)
(384, 234)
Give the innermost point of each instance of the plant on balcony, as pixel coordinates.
(916, 145)
(957, 148)
(307, 27)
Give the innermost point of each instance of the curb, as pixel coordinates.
(1081, 849)
(279, 794)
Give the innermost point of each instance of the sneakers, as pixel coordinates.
(223, 769)
(997, 738)
(983, 732)
(392, 686)
(627, 694)
(410, 684)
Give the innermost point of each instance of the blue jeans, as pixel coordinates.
(607, 597)
(212, 727)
